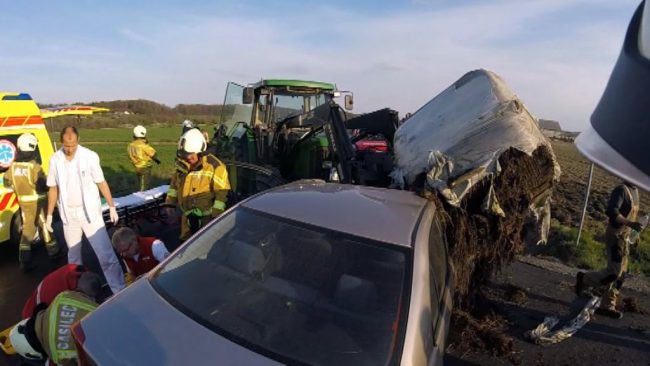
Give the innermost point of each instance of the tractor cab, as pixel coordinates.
(297, 128)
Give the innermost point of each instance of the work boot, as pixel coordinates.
(608, 312)
(53, 251)
(580, 277)
(25, 260)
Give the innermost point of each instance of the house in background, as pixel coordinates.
(553, 130)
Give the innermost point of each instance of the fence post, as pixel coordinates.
(584, 208)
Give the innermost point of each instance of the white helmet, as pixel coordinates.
(192, 141)
(21, 344)
(139, 131)
(188, 124)
(27, 142)
(618, 134)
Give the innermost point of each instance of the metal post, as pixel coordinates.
(584, 209)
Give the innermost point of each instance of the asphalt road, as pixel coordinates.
(16, 287)
(603, 341)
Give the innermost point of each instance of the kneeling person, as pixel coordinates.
(47, 333)
(140, 254)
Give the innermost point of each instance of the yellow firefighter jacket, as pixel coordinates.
(141, 153)
(202, 190)
(26, 179)
(52, 326)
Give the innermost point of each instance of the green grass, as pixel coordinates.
(103, 135)
(119, 171)
(111, 143)
(590, 254)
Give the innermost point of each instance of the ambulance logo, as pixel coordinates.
(7, 153)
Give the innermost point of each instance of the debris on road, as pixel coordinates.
(545, 335)
(516, 295)
(631, 305)
(487, 333)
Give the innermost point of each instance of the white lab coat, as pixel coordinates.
(90, 173)
(86, 219)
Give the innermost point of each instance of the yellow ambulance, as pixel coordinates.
(19, 114)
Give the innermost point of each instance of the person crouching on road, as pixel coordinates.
(66, 278)
(622, 210)
(75, 181)
(25, 176)
(46, 334)
(140, 254)
(142, 155)
(199, 185)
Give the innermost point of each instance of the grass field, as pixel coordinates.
(111, 143)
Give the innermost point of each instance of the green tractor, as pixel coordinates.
(295, 129)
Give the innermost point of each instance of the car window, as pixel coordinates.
(8, 151)
(294, 293)
(437, 266)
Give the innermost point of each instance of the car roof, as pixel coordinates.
(386, 215)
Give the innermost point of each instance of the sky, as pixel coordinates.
(556, 55)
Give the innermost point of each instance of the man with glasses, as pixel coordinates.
(140, 254)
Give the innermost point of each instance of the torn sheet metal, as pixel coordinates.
(457, 137)
(544, 335)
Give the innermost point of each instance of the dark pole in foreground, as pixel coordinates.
(584, 209)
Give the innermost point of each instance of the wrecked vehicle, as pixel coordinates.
(274, 281)
(478, 152)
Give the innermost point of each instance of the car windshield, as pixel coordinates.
(294, 293)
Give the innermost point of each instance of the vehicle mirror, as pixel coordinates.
(247, 96)
(349, 102)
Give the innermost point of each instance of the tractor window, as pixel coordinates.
(287, 105)
(8, 151)
(234, 110)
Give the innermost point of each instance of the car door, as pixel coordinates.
(441, 289)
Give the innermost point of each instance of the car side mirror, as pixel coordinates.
(349, 102)
(247, 96)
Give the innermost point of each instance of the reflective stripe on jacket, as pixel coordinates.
(141, 153)
(53, 325)
(201, 191)
(23, 177)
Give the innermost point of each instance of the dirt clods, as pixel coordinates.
(631, 305)
(469, 334)
(516, 294)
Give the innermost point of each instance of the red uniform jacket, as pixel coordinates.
(146, 261)
(63, 279)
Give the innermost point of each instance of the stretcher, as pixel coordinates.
(145, 204)
(5, 343)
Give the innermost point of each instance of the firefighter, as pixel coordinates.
(66, 278)
(622, 212)
(142, 155)
(27, 179)
(46, 334)
(200, 184)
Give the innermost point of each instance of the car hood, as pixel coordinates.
(138, 327)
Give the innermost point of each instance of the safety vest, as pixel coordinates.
(146, 261)
(141, 153)
(53, 325)
(23, 177)
(201, 191)
(63, 279)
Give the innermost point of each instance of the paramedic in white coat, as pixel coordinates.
(75, 180)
